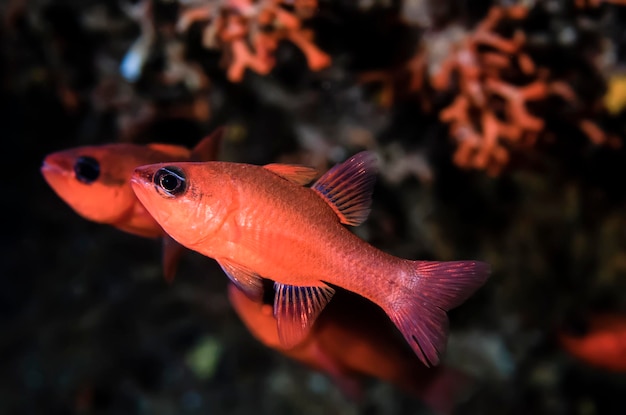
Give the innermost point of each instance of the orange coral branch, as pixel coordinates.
(315, 58)
(242, 59)
(250, 31)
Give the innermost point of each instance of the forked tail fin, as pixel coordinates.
(432, 289)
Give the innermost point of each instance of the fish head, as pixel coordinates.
(93, 180)
(190, 200)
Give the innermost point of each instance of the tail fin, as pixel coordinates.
(432, 289)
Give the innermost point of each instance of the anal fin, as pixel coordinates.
(296, 309)
(246, 280)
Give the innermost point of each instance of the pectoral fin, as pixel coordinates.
(296, 309)
(298, 174)
(348, 187)
(246, 280)
(172, 251)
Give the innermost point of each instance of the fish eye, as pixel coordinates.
(170, 180)
(87, 169)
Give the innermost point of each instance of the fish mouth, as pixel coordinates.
(142, 175)
(141, 180)
(56, 165)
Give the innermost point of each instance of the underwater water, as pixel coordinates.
(523, 170)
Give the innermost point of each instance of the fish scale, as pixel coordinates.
(326, 254)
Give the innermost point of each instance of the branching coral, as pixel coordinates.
(495, 79)
(249, 32)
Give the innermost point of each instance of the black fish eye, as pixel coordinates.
(87, 169)
(170, 180)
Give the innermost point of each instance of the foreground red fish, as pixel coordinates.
(353, 339)
(95, 182)
(599, 340)
(260, 222)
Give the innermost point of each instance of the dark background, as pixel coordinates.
(87, 323)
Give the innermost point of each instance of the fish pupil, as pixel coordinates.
(87, 169)
(170, 183)
(170, 180)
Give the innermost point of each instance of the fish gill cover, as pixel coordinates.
(500, 130)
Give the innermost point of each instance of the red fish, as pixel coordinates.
(599, 340)
(353, 339)
(95, 182)
(261, 222)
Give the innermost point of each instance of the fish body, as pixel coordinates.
(353, 339)
(260, 222)
(95, 181)
(599, 340)
(263, 233)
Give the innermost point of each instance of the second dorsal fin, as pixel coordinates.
(348, 187)
(294, 173)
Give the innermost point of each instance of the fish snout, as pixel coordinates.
(56, 163)
(143, 175)
(141, 179)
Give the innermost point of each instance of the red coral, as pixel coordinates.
(249, 33)
(496, 79)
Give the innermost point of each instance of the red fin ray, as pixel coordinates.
(450, 283)
(296, 309)
(348, 187)
(246, 280)
(432, 289)
(294, 173)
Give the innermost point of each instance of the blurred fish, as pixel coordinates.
(95, 182)
(598, 340)
(353, 339)
(260, 222)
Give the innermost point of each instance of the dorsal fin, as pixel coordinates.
(348, 187)
(171, 150)
(294, 173)
(209, 147)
